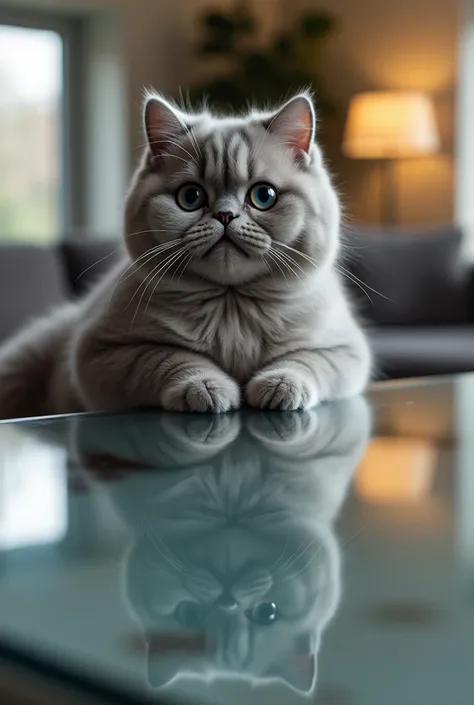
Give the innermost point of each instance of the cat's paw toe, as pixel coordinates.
(286, 390)
(210, 394)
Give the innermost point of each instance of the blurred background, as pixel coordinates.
(394, 90)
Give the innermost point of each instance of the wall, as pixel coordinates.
(464, 202)
(403, 44)
(380, 44)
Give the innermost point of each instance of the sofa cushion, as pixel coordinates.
(412, 352)
(421, 279)
(31, 282)
(87, 260)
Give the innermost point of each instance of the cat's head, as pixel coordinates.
(243, 550)
(232, 199)
(262, 598)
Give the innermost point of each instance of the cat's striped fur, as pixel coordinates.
(201, 315)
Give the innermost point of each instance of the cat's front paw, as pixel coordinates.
(284, 389)
(211, 392)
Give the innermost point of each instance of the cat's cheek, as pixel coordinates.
(285, 222)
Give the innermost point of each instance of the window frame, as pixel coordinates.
(72, 138)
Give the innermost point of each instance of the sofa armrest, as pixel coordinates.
(470, 284)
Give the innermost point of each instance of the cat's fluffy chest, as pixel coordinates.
(238, 330)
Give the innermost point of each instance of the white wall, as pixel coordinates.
(464, 202)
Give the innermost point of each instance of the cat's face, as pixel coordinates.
(260, 595)
(232, 199)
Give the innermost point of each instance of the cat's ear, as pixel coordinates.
(298, 669)
(163, 668)
(163, 124)
(295, 123)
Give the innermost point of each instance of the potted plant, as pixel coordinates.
(258, 71)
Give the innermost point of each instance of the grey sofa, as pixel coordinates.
(419, 301)
(421, 322)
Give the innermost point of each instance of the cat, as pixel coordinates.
(228, 290)
(233, 538)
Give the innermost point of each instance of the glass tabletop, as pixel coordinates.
(323, 556)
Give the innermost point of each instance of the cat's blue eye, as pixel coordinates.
(190, 197)
(263, 614)
(262, 196)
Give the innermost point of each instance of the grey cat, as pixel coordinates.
(228, 289)
(233, 539)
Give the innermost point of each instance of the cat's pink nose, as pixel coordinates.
(227, 603)
(224, 217)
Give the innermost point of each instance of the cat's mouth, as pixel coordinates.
(226, 243)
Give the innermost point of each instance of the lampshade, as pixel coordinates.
(390, 125)
(396, 470)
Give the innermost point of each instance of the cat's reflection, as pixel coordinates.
(238, 543)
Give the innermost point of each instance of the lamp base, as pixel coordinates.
(388, 192)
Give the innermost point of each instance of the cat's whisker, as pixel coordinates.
(148, 530)
(345, 274)
(296, 555)
(171, 560)
(150, 275)
(193, 140)
(145, 281)
(154, 250)
(151, 565)
(91, 266)
(171, 141)
(301, 570)
(268, 268)
(285, 262)
(189, 132)
(280, 557)
(291, 261)
(150, 230)
(309, 259)
(350, 275)
(149, 280)
(174, 156)
(176, 261)
(270, 254)
(149, 255)
(186, 262)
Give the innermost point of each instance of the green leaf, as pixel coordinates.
(316, 25)
(217, 21)
(271, 70)
(283, 46)
(244, 21)
(216, 46)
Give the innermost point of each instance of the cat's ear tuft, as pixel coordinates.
(295, 123)
(162, 124)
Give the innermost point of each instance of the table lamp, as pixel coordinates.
(388, 125)
(396, 469)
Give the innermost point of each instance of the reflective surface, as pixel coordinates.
(248, 558)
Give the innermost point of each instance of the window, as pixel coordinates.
(31, 123)
(64, 140)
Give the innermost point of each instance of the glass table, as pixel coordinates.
(324, 556)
